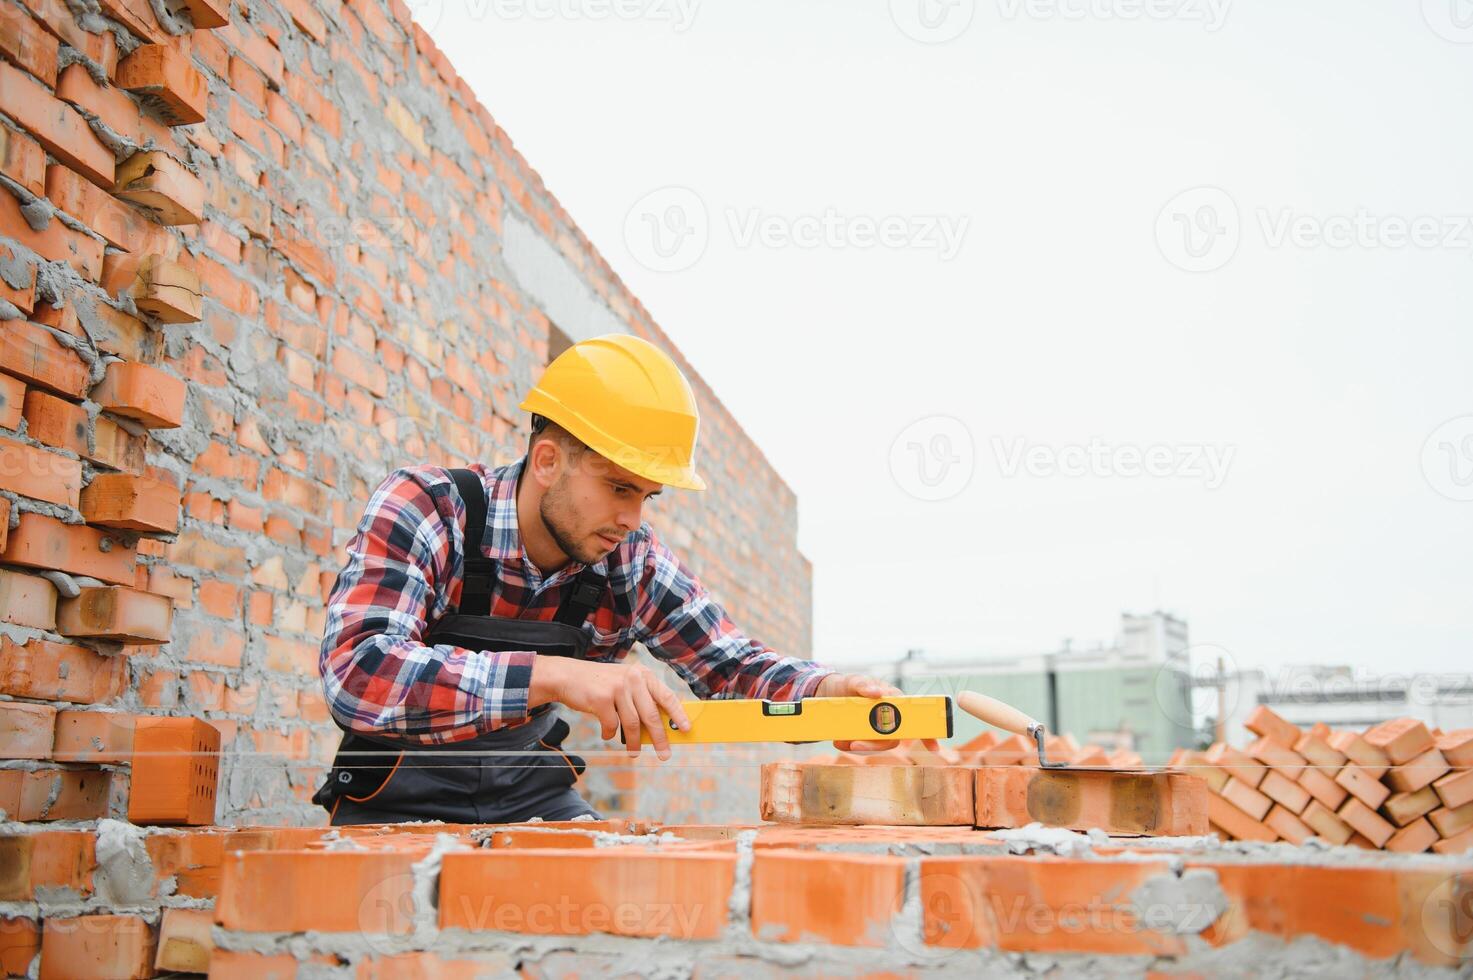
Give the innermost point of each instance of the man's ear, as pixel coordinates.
(545, 461)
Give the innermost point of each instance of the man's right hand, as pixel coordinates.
(623, 695)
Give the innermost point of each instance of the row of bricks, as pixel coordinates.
(174, 761)
(1019, 904)
(1397, 786)
(107, 946)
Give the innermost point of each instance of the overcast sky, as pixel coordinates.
(1049, 310)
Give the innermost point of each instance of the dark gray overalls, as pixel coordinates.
(378, 780)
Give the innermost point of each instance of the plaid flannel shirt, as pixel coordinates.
(404, 571)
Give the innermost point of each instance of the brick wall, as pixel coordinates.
(249, 262)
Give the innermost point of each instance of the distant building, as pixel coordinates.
(1343, 698)
(1134, 694)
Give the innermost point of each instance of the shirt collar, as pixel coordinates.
(503, 536)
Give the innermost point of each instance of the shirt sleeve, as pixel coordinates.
(681, 624)
(378, 675)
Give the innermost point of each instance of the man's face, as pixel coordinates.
(593, 505)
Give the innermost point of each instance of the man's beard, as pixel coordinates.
(562, 535)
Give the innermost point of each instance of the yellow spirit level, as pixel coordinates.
(813, 720)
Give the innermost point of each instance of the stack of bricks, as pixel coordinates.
(589, 899)
(1398, 786)
(253, 257)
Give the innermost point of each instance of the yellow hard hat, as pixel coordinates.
(626, 400)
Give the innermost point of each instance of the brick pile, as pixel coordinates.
(1397, 786)
(714, 901)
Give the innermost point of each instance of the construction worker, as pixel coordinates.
(442, 660)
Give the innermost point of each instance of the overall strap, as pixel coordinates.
(479, 571)
(582, 599)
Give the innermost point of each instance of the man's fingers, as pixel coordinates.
(649, 715)
(629, 719)
(866, 746)
(669, 702)
(608, 720)
(868, 687)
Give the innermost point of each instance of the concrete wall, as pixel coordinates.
(359, 271)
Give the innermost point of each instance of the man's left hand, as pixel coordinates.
(860, 686)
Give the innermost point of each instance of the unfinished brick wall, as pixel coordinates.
(250, 261)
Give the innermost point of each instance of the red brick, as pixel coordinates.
(54, 794)
(843, 899)
(1239, 765)
(56, 421)
(59, 127)
(896, 795)
(1233, 823)
(1154, 804)
(1022, 904)
(33, 353)
(1284, 761)
(1418, 772)
(1366, 821)
(1457, 748)
(1246, 798)
(575, 892)
(50, 671)
(1360, 752)
(176, 764)
(51, 858)
(1457, 844)
(161, 76)
(1362, 785)
(141, 392)
(1318, 752)
(39, 541)
(22, 297)
(1402, 739)
(115, 612)
(22, 159)
(27, 600)
(124, 500)
(1288, 826)
(1402, 808)
(1414, 838)
(113, 106)
(114, 446)
(1378, 912)
(97, 947)
(1325, 823)
(208, 13)
(20, 941)
(1264, 722)
(1285, 792)
(161, 185)
(37, 473)
(93, 736)
(12, 401)
(1323, 787)
(120, 224)
(185, 940)
(26, 730)
(1456, 789)
(23, 42)
(58, 19)
(1450, 822)
(339, 891)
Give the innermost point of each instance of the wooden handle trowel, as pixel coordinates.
(1009, 719)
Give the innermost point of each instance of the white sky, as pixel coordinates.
(1058, 135)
